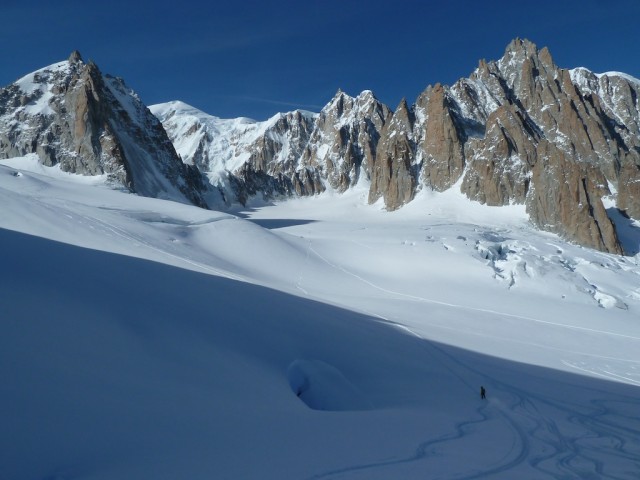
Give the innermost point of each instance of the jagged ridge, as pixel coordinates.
(518, 130)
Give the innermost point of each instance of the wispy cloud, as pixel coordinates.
(270, 101)
(203, 46)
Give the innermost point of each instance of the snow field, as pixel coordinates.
(316, 338)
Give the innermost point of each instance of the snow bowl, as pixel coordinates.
(323, 387)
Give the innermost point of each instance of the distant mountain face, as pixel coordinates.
(73, 116)
(519, 130)
(241, 156)
(291, 153)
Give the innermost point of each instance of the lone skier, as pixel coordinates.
(483, 392)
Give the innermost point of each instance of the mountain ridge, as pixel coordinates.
(518, 130)
(497, 135)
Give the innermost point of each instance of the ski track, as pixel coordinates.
(604, 373)
(538, 440)
(466, 307)
(568, 455)
(301, 276)
(534, 344)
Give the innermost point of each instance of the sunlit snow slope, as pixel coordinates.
(317, 338)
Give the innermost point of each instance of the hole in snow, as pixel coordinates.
(323, 387)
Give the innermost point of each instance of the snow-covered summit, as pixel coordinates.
(221, 146)
(36, 88)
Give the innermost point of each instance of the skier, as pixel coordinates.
(482, 392)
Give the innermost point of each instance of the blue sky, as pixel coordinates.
(249, 58)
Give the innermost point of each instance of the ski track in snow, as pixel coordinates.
(301, 275)
(545, 435)
(466, 307)
(536, 438)
(605, 374)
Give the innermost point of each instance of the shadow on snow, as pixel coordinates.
(102, 355)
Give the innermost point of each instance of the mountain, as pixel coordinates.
(74, 117)
(291, 153)
(263, 156)
(343, 144)
(519, 130)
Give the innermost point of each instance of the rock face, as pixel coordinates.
(565, 197)
(555, 140)
(342, 147)
(442, 139)
(72, 115)
(291, 153)
(392, 176)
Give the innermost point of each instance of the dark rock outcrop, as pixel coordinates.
(566, 198)
(392, 176)
(442, 145)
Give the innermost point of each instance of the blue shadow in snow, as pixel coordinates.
(88, 317)
(628, 231)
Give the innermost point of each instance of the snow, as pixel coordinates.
(31, 163)
(580, 75)
(190, 127)
(127, 99)
(314, 338)
(35, 83)
(626, 76)
(230, 139)
(28, 84)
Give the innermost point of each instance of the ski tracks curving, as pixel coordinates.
(550, 437)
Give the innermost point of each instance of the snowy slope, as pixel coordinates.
(191, 128)
(316, 338)
(218, 145)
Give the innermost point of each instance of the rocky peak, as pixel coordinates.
(537, 103)
(366, 99)
(441, 138)
(521, 51)
(75, 57)
(71, 115)
(392, 175)
(403, 117)
(337, 104)
(519, 47)
(345, 137)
